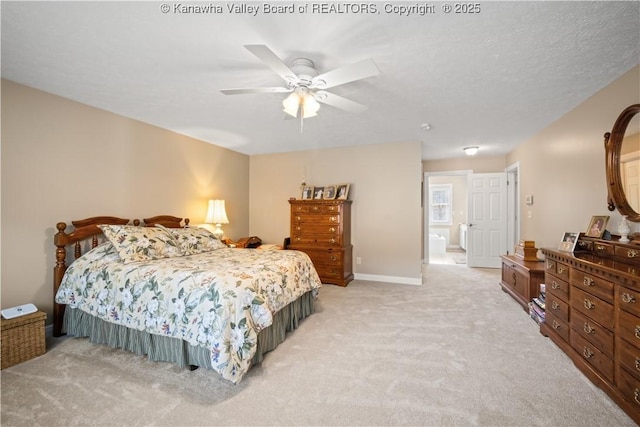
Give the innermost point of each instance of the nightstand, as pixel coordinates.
(22, 338)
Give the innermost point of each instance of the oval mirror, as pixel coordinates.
(622, 147)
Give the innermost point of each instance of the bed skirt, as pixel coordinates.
(159, 348)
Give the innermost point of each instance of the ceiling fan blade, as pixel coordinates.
(271, 59)
(256, 90)
(339, 102)
(356, 71)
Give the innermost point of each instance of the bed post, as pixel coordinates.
(60, 240)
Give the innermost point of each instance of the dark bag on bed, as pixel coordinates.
(249, 242)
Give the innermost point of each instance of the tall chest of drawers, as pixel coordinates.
(322, 229)
(593, 314)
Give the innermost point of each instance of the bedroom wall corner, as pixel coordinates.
(386, 192)
(63, 160)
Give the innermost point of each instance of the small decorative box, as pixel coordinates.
(526, 249)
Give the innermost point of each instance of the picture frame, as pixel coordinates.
(342, 191)
(597, 226)
(318, 193)
(329, 192)
(568, 242)
(307, 192)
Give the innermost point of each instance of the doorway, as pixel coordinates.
(445, 217)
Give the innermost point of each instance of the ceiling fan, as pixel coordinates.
(306, 85)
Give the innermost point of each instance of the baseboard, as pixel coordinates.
(389, 279)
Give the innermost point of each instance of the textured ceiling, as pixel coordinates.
(491, 79)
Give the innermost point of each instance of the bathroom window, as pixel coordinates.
(440, 203)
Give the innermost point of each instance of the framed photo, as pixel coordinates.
(597, 226)
(318, 193)
(568, 242)
(329, 192)
(307, 192)
(342, 191)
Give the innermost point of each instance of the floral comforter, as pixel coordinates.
(219, 299)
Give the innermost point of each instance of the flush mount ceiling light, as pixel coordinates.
(307, 87)
(471, 151)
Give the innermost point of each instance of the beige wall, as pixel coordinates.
(385, 188)
(477, 164)
(563, 166)
(62, 161)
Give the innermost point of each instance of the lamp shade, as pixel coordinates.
(216, 213)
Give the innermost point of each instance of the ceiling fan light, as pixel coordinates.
(291, 104)
(310, 104)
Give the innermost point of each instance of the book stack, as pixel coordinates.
(537, 306)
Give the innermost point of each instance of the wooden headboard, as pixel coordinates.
(86, 232)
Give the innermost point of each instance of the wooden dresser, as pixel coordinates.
(593, 314)
(322, 229)
(521, 279)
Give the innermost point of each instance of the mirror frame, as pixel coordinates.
(613, 145)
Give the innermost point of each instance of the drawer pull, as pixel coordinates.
(600, 247)
(555, 305)
(332, 229)
(298, 238)
(587, 353)
(636, 331)
(629, 299)
(334, 258)
(298, 218)
(588, 281)
(333, 218)
(588, 304)
(315, 208)
(554, 285)
(555, 324)
(298, 228)
(333, 240)
(588, 328)
(633, 253)
(638, 364)
(550, 265)
(636, 395)
(561, 269)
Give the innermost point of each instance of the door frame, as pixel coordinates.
(425, 206)
(513, 205)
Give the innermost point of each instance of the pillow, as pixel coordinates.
(195, 240)
(135, 244)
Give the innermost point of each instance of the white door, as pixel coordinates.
(487, 219)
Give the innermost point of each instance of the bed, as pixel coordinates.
(175, 293)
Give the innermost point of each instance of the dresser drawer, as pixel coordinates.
(592, 307)
(315, 239)
(558, 269)
(299, 218)
(596, 286)
(559, 308)
(558, 326)
(315, 228)
(596, 334)
(557, 287)
(600, 361)
(628, 300)
(629, 387)
(628, 328)
(603, 249)
(629, 357)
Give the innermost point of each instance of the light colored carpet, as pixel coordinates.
(456, 351)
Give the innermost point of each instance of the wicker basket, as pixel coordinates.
(22, 338)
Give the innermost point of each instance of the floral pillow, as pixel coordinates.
(195, 240)
(135, 244)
